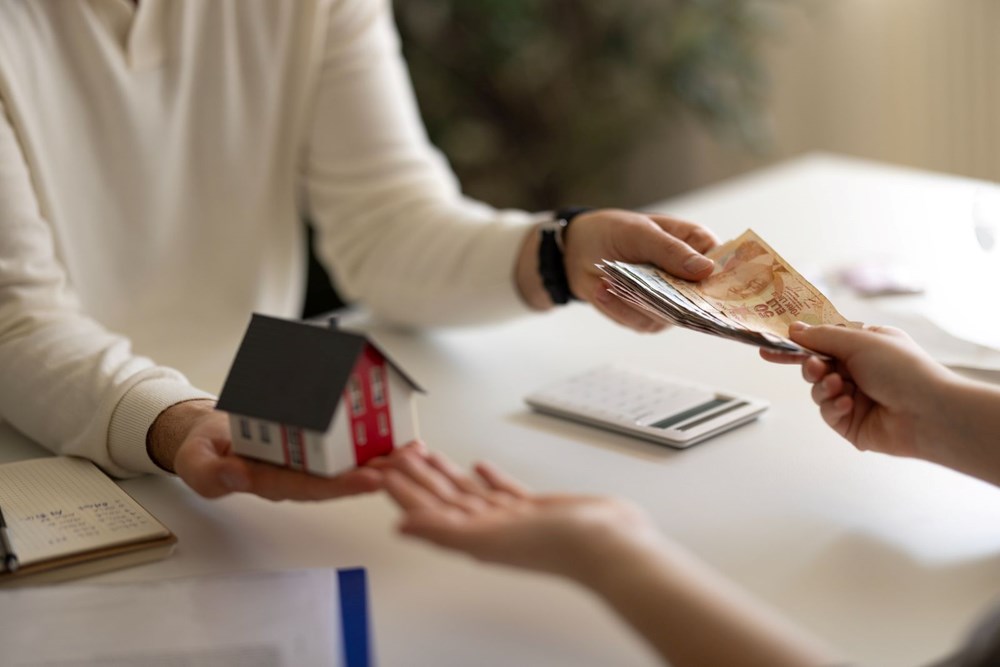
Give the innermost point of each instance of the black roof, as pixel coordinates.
(291, 372)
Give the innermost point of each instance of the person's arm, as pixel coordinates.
(689, 614)
(882, 392)
(68, 383)
(77, 388)
(970, 430)
(393, 227)
(683, 608)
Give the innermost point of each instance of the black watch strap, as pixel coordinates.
(551, 265)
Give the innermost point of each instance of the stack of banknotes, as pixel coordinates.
(752, 295)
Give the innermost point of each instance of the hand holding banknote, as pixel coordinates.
(673, 245)
(752, 295)
(878, 389)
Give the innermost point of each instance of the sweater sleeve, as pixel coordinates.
(393, 227)
(981, 648)
(68, 383)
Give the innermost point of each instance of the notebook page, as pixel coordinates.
(58, 506)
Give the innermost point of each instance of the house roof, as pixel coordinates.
(292, 372)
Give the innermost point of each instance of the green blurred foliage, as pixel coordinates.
(539, 102)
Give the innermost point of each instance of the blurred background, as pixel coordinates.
(540, 103)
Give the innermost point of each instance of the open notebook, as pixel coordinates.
(68, 519)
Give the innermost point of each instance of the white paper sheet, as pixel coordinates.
(280, 619)
(945, 346)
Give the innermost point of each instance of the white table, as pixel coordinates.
(890, 560)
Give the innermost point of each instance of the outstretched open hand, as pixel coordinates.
(493, 518)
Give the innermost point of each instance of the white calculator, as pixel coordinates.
(647, 405)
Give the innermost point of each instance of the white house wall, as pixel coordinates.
(338, 444)
(272, 452)
(403, 408)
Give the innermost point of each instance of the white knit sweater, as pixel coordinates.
(155, 164)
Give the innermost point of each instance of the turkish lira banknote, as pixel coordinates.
(752, 295)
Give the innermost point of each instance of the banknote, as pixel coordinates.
(752, 295)
(754, 285)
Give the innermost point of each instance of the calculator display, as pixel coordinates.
(707, 406)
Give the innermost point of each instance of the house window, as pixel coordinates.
(265, 433)
(296, 456)
(383, 424)
(356, 396)
(360, 434)
(245, 429)
(378, 386)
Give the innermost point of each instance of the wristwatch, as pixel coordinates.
(551, 265)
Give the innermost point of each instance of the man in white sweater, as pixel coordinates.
(155, 163)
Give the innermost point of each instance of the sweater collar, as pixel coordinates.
(141, 30)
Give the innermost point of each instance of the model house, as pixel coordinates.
(315, 398)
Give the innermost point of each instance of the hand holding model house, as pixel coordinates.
(315, 399)
(305, 407)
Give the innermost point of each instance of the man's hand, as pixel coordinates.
(193, 440)
(610, 234)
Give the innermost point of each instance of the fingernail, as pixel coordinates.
(234, 481)
(698, 263)
(798, 326)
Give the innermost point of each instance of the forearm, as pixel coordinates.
(695, 618)
(966, 430)
(392, 224)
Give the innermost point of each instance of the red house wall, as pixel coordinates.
(368, 388)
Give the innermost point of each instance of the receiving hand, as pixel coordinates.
(202, 455)
(881, 391)
(610, 234)
(493, 518)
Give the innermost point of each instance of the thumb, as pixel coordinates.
(836, 341)
(658, 247)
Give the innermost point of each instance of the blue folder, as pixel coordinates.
(354, 617)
